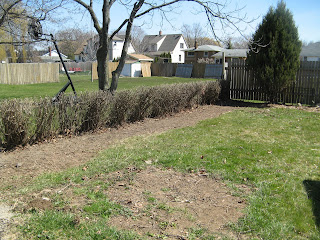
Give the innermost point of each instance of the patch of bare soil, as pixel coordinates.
(62, 153)
(169, 204)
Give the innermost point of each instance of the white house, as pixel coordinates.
(174, 44)
(53, 56)
(87, 52)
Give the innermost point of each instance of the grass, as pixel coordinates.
(82, 83)
(273, 151)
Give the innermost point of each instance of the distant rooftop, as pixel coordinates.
(311, 50)
(205, 48)
(232, 53)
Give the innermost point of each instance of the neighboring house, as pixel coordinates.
(230, 54)
(87, 52)
(311, 52)
(213, 54)
(53, 56)
(133, 65)
(192, 55)
(157, 45)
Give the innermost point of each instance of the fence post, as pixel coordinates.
(223, 66)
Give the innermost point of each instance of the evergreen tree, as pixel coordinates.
(274, 53)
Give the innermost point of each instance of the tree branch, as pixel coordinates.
(92, 14)
(6, 11)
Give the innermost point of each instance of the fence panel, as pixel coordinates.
(85, 66)
(163, 69)
(28, 73)
(184, 70)
(305, 89)
(94, 70)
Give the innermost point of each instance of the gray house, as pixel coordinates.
(311, 52)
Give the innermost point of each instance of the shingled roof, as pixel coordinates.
(311, 50)
(169, 43)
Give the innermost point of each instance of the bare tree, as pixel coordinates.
(215, 11)
(137, 35)
(195, 34)
(8, 10)
(70, 39)
(237, 42)
(192, 33)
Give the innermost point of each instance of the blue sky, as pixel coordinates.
(306, 15)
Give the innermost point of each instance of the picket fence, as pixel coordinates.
(305, 89)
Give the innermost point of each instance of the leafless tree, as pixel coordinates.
(214, 10)
(192, 33)
(137, 35)
(237, 42)
(196, 34)
(70, 39)
(90, 49)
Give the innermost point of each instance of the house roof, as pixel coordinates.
(140, 57)
(205, 48)
(95, 38)
(169, 43)
(80, 49)
(53, 54)
(232, 53)
(311, 50)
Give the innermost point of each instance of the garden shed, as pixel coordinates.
(133, 66)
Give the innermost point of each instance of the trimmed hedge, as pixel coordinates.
(28, 121)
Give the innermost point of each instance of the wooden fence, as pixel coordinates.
(199, 70)
(28, 73)
(304, 90)
(85, 66)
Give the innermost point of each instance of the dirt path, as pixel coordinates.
(63, 153)
(20, 166)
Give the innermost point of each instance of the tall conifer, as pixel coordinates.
(274, 53)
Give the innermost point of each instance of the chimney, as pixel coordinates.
(50, 51)
(195, 44)
(160, 33)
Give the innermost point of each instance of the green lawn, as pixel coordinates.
(275, 152)
(82, 82)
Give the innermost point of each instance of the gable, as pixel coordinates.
(170, 42)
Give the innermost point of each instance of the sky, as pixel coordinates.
(306, 14)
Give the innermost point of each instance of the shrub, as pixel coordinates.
(210, 92)
(95, 106)
(14, 123)
(44, 120)
(29, 121)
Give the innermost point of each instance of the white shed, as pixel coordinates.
(131, 69)
(133, 65)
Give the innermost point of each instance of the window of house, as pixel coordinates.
(190, 54)
(179, 58)
(181, 45)
(305, 58)
(154, 47)
(205, 54)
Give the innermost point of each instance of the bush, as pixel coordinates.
(44, 119)
(29, 121)
(14, 123)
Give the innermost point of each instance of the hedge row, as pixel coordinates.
(28, 121)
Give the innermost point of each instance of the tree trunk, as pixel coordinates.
(102, 59)
(117, 72)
